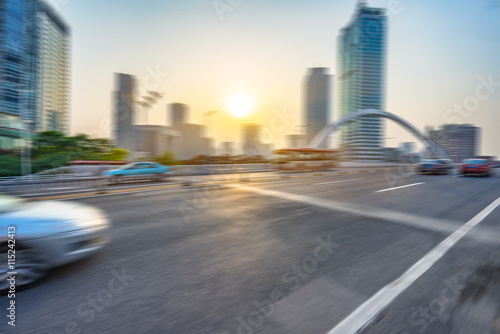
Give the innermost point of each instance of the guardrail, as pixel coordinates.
(80, 174)
(91, 180)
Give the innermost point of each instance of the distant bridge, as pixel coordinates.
(332, 128)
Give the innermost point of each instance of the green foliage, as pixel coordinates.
(10, 165)
(52, 149)
(116, 154)
(167, 159)
(50, 161)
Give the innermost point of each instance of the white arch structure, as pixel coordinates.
(331, 128)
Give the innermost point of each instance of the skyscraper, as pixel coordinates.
(178, 114)
(362, 80)
(317, 101)
(53, 59)
(35, 68)
(124, 111)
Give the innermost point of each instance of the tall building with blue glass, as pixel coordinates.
(34, 70)
(362, 81)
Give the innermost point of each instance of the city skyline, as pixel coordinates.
(205, 73)
(278, 166)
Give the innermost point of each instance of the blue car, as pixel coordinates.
(139, 170)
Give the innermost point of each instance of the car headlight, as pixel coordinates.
(91, 223)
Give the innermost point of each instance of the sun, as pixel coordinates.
(240, 105)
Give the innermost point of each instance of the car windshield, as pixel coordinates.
(127, 166)
(429, 161)
(475, 161)
(7, 203)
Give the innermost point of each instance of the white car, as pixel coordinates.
(38, 235)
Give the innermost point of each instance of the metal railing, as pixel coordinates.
(92, 178)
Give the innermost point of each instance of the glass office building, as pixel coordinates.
(362, 81)
(54, 54)
(34, 70)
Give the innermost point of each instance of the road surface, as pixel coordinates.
(296, 255)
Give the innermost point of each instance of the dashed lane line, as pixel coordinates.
(400, 187)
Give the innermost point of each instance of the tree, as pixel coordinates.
(10, 165)
(51, 149)
(167, 159)
(116, 154)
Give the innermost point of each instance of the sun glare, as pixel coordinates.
(240, 106)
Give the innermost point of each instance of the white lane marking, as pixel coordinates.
(331, 182)
(430, 224)
(401, 187)
(370, 309)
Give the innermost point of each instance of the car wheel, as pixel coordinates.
(159, 177)
(28, 266)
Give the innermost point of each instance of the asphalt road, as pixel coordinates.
(296, 255)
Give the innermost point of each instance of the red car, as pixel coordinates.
(475, 166)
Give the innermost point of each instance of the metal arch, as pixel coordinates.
(331, 128)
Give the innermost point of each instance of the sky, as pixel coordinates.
(443, 61)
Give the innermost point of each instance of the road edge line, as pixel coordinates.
(364, 315)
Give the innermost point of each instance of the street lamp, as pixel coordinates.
(150, 100)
